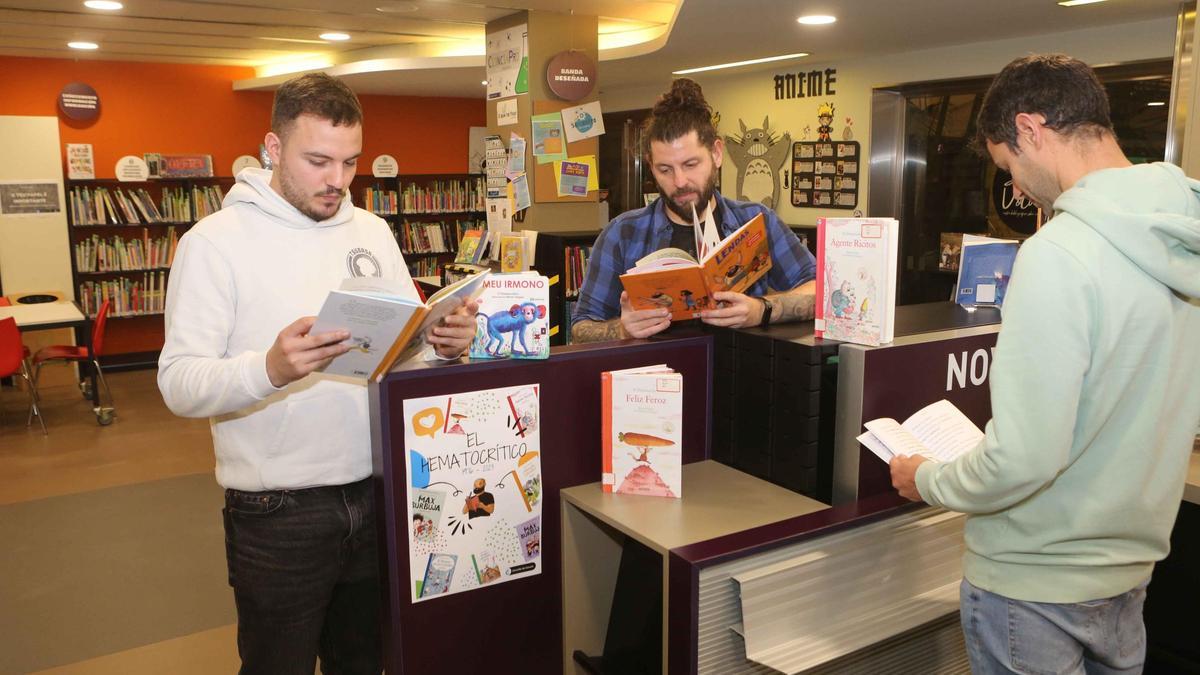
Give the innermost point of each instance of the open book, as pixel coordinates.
(673, 279)
(386, 326)
(938, 431)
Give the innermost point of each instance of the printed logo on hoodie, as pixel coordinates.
(362, 263)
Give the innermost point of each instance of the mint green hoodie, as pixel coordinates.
(1095, 387)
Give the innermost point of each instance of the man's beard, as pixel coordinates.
(684, 211)
(295, 196)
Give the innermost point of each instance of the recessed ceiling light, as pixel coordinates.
(335, 37)
(1156, 103)
(816, 19)
(1075, 3)
(83, 45)
(107, 5)
(484, 83)
(735, 64)
(397, 8)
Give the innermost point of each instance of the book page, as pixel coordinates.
(872, 443)
(667, 253)
(944, 430)
(896, 438)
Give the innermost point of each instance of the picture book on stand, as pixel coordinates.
(385, 326)
(984, 268)
(673, 279)
(513, 320)
(642, 427)
(856, 279)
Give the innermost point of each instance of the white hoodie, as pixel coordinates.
(239, 277)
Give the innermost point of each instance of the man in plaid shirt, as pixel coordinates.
(685, 155)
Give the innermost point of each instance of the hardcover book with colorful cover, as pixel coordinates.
(984, 269)
(856, 279)
(426, 514)
(672, 279)
(513, 320)
(530, 534)
(642, 427)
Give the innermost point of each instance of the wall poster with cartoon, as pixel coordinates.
(475, 495)
(825, 171)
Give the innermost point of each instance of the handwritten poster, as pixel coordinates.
(507, 62)
(475, 498)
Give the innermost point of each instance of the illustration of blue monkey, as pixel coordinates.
(512, 321)
(758, 155)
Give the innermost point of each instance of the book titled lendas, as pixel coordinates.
(856, 279)
(984, 268)
(642, 426)
(939, 431)
(673, 279)
(385, 326)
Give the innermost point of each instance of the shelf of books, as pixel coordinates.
(428, 213)
(562, 257)
(123, 238)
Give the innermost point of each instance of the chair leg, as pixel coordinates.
(112, 403)
(34, 409)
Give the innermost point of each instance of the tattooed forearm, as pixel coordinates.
(597, 331)
(797, 304)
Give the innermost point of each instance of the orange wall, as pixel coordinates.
(173, 108)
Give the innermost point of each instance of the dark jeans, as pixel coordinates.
(305, 576)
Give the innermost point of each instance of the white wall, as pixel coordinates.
(749, 94)
(34, 249)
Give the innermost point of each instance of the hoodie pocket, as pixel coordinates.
(321, 432)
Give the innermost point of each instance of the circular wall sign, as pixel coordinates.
(571, 75)
(245, 162)
(385, 166)
(79, 101)
(132, 168)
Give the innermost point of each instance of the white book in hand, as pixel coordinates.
(386, 324)
(939, 431)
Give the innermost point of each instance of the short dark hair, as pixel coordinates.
(1063, 90)
(678, 112)
(315, 94)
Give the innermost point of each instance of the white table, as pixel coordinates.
(61, 314)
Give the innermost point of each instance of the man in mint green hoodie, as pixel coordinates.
(1073, 492)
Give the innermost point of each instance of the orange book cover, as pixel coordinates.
(672, 279)
(606, 431)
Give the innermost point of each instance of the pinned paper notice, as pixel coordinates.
(548, 141)
(572, 179)
(506, 112)
(583, 121)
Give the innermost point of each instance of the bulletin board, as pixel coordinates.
(825, 174)
(545, 188)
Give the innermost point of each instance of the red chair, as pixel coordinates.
(12, 362)
(79, 353)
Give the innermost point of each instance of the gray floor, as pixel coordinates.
(104, 571)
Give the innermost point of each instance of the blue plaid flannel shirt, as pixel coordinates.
(634, 234)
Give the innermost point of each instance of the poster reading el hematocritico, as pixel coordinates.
(475, 489)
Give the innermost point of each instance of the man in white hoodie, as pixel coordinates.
(292, 446)
(1072, 494)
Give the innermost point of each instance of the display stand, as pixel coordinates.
(519, 622)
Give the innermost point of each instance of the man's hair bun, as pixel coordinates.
(685, 96)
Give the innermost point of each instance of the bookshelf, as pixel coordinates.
(428, 213)
(562, 258)
(123, 237)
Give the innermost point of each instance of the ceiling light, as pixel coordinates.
(335, 37)
(1156, 103)
(816, 19)
(397, 8)
(1074, 3)
(83, 45)
(735, 64)
(484, 83)
(107, 5)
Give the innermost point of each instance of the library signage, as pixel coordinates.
(1018, 212)
(132, 168)
(571, 75)
(29, 198)
(385, 166)
(79, 102)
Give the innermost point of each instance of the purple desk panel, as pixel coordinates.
(516, 626)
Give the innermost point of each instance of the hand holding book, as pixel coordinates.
(297, 351)
(452, 335)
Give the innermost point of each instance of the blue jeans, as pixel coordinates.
(1015, 636)
(305, 576)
